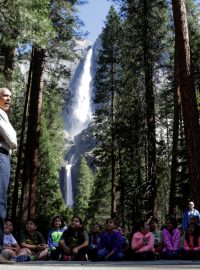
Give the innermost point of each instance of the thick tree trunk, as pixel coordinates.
(188, 98)
(31, 161)
(177, 111)
(21, 145)
(150, 117)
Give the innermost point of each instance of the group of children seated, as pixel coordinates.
(146, 242)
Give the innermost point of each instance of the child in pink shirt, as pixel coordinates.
(191, 248)
(142, 243)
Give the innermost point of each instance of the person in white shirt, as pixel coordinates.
(188, 214)
(8, 142)
(10, 245)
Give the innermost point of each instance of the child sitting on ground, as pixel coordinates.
(94, 240)
(110, 243)
(171, 239)
(54, 235)
(74, 241)
(142, 243)
(32, 243)
(153, 226)
(191, 248)
(10, 245)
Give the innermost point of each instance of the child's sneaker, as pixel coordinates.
(22, 258)
(85, 257)
(66, 258)
(33, 258)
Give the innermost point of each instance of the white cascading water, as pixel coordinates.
(81, 111)
(69, 197)
(80, 117)
(68, 183)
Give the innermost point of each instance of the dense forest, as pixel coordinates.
(146, 123)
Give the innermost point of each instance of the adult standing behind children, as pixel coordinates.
(188, 213)
(8, 142)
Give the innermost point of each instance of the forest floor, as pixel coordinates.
(124, 265)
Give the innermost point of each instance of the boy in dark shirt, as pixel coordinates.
(32, 243)
(74, 241)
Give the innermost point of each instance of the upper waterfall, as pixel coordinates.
(81, 113)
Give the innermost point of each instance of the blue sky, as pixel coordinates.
(93, 15)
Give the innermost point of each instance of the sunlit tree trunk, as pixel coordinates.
(31, 160)
(188, 98)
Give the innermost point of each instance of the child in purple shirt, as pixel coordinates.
(171, 239)
(110, 243)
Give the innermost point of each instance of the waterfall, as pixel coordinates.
(80, 117)
(69, 197)
(81, 111)
(68, 183)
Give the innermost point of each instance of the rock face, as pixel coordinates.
(84, 143)
(79, 48)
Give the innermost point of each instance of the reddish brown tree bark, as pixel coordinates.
(31, 159)
(188, 98)
(15, 196)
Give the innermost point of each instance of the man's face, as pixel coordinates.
(5, 100)
(191, 205)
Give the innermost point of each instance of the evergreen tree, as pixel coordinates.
(143, 50)
(107, 86)
(47, 32)
(84, 188)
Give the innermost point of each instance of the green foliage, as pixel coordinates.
(107, 85)
(46, 24)
(84, 188)
(99, 203)
(26, 22)
(121, 129)
(128, 125)
(51, 153)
